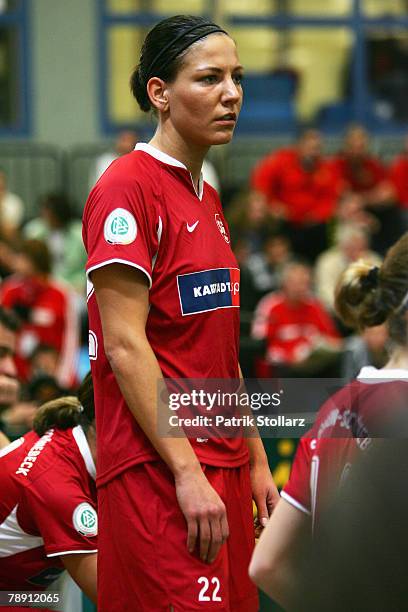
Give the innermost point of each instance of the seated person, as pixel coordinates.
(301, 188)
(47, 309)
(363, 173)
(301, 337)
(351, 244)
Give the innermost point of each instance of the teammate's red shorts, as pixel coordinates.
(143, 561)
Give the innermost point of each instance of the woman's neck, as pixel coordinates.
(188, 154)
(398, 360)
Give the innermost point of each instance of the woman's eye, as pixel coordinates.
(210, 78)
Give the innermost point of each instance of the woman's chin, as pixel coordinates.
(223, 137)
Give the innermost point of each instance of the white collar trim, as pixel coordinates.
(171, 161)
(371, 375)
(82, 442)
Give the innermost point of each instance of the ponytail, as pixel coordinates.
(366, 296)
(62, 413)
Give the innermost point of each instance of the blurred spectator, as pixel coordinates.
(301, 338)
(399, 179)
(371, 348)
(9, 387)
(47, 310)
(44, 361)
(266, 267)
(350, 210)
(125, 143)
(11, 210)
(247, 291)
(363, 173)
(249, 218)
(302, 189)
(18, 419)
(43, 388)
(63, 235)
(351, 245)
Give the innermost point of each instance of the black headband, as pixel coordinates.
(212, 29)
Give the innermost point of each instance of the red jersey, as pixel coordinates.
(308, 196)
(341, 432)
(399, 178)
(47, 506)
(49, 317)
(294, 329)
(144, 212)
(359, 175)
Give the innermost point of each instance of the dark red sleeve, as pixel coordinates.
(297, 489)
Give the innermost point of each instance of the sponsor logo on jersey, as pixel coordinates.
(208, 290)
(34, 453)
(85, 519)
(120, 227)
(221, 227)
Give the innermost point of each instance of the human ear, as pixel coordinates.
(157, 92)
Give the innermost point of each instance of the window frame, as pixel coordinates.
(357, 22)
(19, 19)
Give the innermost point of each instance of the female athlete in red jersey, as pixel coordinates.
(48, 519)
(163, 302)
(345, 425)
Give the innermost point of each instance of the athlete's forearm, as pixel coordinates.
(138, 374)
(257, 454)
(82, 569)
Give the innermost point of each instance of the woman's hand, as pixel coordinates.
(204, 512)
(264, 491)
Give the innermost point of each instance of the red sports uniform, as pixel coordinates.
(360, 175)
(50, 317)
(342, 430)
(47, 506)
(308, 197)
(144, 212)
(399, 179)
(291, 330)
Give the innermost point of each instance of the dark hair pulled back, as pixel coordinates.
(163, 51)
(366, 296)
(69, 411)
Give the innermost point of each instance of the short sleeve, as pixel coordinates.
(297, 489)
(121, 223)
(65, 516)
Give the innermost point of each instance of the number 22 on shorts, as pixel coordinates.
(203, 596)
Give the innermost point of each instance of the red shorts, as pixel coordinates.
(143, 561)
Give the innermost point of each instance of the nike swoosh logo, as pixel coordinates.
(191, 228)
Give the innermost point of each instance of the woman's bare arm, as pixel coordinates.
(123, 300)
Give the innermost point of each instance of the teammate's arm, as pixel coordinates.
(275, 562)
(123, 300)
(82, 569)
